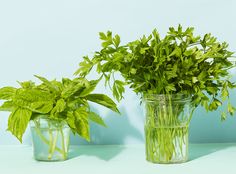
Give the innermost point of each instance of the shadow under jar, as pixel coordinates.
(50, 139)
(167, 127)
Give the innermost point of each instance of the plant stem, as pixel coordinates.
(63, 143)
(50, 153)
(44, 139)
(53, 142)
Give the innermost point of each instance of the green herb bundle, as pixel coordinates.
(178, 63)
(65, 100)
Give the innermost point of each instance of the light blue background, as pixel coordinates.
(49, 38)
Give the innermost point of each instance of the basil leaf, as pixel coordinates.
(42, 107)
(90, 88)
(71, 89)
(7, 93)
(34, 99)
(18, 121)
(96, 118)
(60, 106)
(7, 106)
(52, 88)
(102, 100)
(81, 123)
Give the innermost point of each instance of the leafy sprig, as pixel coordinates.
(178, 63)
(66, 100)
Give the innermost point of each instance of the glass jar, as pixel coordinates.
(50, 139)
(166, 127)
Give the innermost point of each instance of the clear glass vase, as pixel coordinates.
(166, 127)
(50, 139)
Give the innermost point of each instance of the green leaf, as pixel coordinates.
(71, 120)
(85, 67)
(116, 40)
(194, 79)
(90, 88)
(60, 107)
(27, 84)
(76, 103)
(118, 89)
(133, 71)
(106, 44)
(231, 109)
(170, 87)
(107, 39)
(223, 116)
(81, 123)
(71, 89)
(102, 36)
(231, 85)
(34, 99)
(224, 93)
(143, 50)
(53, 88)
(7, 106)
(18, 121)
(7, 93)
(66, 82)
(212, 90)
(204, 103)
(96, 118)
(214, 104)
(102, 100)
(42, 107)
(78, 122)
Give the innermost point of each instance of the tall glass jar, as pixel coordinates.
(166, 127)
(50, 139)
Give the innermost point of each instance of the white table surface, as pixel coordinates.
(118, 159)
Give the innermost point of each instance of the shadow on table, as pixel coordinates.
(103, 152)
(119, 129)
(199, 150)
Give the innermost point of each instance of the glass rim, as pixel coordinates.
(181, 97)
(44, 117)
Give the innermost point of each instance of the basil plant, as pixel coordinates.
(66, 100)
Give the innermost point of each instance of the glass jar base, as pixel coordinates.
(167, 145)
(49, 160)
(169, 162)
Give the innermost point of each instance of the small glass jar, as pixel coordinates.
(50, 139)
(166, 127)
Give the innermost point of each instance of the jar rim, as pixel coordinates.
(181, 97)
(48, 119)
